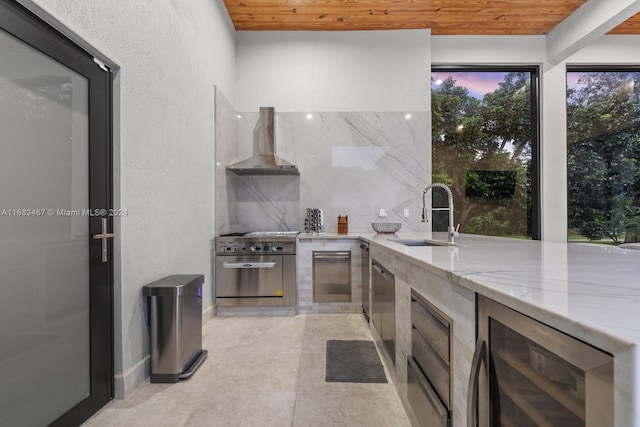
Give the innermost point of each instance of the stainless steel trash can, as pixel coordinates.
(175, 312)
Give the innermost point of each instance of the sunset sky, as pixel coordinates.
(478, 83)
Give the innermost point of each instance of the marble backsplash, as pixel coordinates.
(268, 203)
(357, 163)
(351, 163)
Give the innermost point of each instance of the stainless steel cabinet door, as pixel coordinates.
(383, 307)
(366, 271)
(331, 276)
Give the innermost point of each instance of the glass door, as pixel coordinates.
(537, 387)
(55, 303)
(538, 376)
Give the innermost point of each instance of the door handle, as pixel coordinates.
(103, 236)
(472, 391)
(248, 264)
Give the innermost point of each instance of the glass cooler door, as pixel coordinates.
(536, 387)
(538, 376)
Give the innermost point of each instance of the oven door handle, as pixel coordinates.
(270, 264)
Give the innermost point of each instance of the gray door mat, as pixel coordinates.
(353, 362)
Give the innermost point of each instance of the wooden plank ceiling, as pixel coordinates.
(443, 17)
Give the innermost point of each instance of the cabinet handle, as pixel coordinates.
(472, 392)
(336, 256)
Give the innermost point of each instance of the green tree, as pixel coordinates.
(603, 133)
(632, 225)
(508, 115)
(492, 134)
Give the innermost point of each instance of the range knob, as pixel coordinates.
(234, 249)
(275, 248)
(253, 248)
(266, 248)
(224, 248)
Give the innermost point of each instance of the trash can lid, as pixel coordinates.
(173, 285)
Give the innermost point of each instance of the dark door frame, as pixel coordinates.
(25, 25)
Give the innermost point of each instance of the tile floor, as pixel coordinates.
(263, 371)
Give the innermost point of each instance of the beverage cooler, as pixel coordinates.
(525, 373)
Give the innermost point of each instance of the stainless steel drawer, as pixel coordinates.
(427, 407)
(430, 363)
(433, 327)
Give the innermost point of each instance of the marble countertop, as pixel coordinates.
(589, 291)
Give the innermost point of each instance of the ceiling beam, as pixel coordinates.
(588, 23)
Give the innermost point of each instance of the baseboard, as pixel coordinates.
(208, 313)
(125, 383)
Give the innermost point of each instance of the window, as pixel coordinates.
(485, 147)
(603, 145)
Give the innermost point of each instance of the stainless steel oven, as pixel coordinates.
(256, 269)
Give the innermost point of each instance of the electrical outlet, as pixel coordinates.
(406, 213)
(382, 213)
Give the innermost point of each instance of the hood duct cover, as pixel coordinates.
(264, 160)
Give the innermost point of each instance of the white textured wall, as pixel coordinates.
(532, 50)
(171, 55)
(477, 50)
(333, 71)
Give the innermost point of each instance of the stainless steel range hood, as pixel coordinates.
(264, 160)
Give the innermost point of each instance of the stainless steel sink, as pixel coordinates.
(419, 242)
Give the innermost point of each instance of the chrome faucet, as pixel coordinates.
(452, 233)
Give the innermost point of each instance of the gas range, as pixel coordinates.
(257, 242)
(256, 269)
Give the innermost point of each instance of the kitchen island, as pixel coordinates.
(590, 292)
